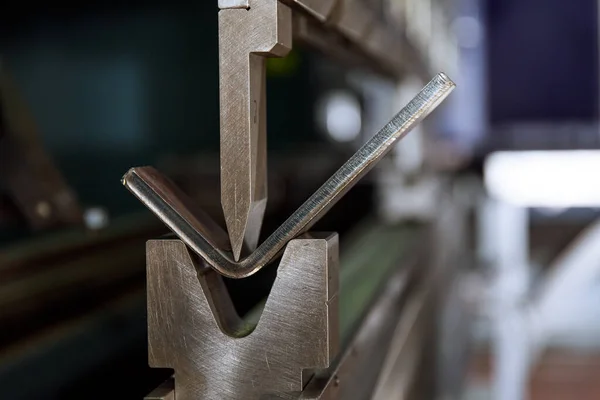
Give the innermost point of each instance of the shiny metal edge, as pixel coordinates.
(310, 212)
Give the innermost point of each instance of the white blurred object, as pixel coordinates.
(504, 244)
(96, 218)
(503, 238)
(551, 179)
(378, 102)
(401, 201)
(524, 327)
(560, 303)
(341, 116)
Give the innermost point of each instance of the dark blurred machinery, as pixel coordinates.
(47, 203)
(377, 333)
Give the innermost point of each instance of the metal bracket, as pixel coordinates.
(194, 329)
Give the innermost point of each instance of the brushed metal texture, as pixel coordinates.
(246, 38)
(193, 328)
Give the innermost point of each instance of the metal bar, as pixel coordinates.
(162, 197)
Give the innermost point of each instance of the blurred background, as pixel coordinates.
(89, 90)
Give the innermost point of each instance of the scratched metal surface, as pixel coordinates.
(246, 38)
(194, 329)
(376, 256)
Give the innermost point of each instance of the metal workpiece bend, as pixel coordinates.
(209, 241)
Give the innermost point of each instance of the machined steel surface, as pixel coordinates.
(194, 329)
(209, 241)
(246, 38)
(250, 31)
(346, 379)
(386, 339)
(374, 280)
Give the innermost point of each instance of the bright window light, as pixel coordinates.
(551, 179)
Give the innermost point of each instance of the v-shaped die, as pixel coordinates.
(194, 329)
